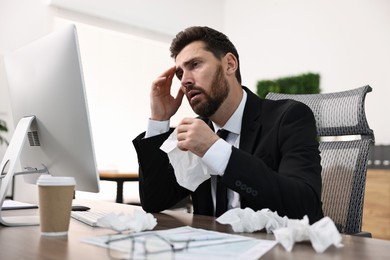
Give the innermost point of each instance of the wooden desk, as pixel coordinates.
(27, 242)
(119, 178)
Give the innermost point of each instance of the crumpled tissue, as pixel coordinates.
(137, 222)
(190, 171)
(321, 234)
(247, 220)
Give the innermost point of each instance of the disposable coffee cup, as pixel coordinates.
(55, 204)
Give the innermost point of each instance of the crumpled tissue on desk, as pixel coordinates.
(321, 234)
(137, 222)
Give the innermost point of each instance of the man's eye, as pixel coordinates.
(195, 64)
(179, 74)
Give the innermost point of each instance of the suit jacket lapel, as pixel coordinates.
(251, 124)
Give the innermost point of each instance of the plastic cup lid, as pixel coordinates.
(48, 180)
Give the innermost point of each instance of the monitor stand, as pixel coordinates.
(7, 168)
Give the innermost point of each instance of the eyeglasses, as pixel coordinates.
(148, 246)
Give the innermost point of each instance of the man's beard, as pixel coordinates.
(218, 93)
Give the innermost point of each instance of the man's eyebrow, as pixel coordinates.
(186, 64)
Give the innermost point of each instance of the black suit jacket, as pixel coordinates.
(276, 166)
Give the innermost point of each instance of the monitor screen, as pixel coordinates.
(46, 81)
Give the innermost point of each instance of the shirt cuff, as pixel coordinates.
(217, 157)
(156, 128)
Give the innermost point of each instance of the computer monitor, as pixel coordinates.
(48, 101)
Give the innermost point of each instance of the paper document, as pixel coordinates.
(12, 204)
(186, 243)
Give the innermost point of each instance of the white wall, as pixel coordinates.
(19, 26)
(21, 21)
(347, 42)
(124, 46)
(167, 16)
(118, 73)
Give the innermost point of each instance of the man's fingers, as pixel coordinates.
(170, 76)
(179, 97)
(170, 71)
(186, 121)
(164, 82)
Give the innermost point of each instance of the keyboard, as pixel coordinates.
(88, 217)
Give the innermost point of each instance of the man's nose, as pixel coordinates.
(187, 80)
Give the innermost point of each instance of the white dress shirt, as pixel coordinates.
(217, 157)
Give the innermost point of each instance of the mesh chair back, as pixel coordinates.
(344, 163)
(339, 113)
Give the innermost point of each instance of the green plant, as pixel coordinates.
(308, 83)
(3, 128)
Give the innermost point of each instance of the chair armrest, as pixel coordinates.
(363, 234)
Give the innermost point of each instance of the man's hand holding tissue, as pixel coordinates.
(195, 135)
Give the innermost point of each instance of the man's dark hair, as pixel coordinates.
(215, 42)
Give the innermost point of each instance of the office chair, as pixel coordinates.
(344, 162)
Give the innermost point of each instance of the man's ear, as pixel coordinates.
(232, 63)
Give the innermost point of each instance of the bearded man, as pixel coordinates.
(269, 158)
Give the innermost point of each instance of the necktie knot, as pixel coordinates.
(222, 133)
